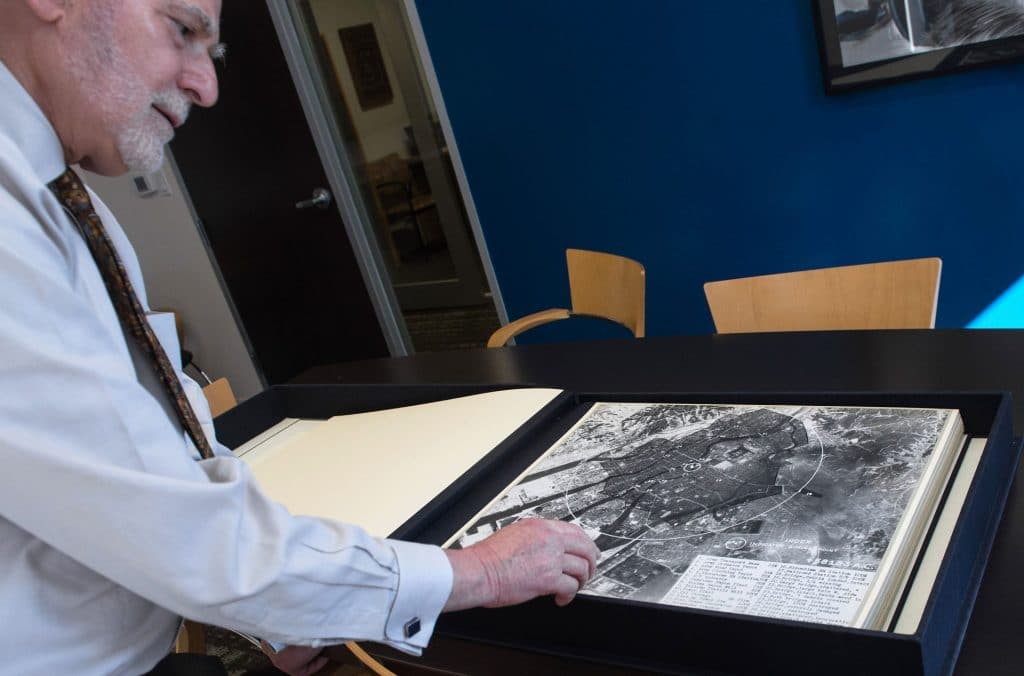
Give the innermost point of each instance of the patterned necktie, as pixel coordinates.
(72, 194)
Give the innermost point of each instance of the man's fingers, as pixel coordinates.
(576, 567)
(577, 542)
(565, 589)
(296, 660)
(315, 666)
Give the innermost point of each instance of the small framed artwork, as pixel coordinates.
(366, 65)
(866, 43)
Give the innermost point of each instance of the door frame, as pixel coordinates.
(300, 56)
(419, 40)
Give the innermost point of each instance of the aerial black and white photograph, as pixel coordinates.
(658, 485)
(876, 30)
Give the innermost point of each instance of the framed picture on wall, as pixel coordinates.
(366, 65)
(871, 42)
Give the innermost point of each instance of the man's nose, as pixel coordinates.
(199, 81)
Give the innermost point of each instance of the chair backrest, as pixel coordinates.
(391, 167)
(600, 285)
(606, 285)
(219, 396)
(891, 295)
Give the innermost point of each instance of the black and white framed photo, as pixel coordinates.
(366, 65)
(871, 42)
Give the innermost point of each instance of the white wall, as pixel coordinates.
(180, 275)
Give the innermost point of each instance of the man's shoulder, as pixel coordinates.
(29, 227)
(15, 187)
(17, 179)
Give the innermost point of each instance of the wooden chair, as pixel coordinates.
(892, 295)
(220, 397)
(402, 202)
(600, 285)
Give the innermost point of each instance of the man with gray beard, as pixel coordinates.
(119, 511)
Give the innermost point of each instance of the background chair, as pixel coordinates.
(405, 203)
(188, 363)
(219, 396)
(600, 285)
(892, 295)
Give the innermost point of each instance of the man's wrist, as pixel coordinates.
(470, 585)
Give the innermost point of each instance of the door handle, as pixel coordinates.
(321, 198)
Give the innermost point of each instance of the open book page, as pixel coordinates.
(778, 511)
(906, 540)
(920, 587)
(378, 469)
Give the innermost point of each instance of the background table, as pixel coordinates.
(856, 361)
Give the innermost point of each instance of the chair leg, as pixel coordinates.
(191, 638)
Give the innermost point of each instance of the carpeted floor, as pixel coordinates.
(460, 328)
(238, 655)
(242, 658)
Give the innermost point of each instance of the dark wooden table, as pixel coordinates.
(840, 361)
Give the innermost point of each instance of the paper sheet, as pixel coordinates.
(377, 469)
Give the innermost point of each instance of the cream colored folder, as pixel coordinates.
(378, 469)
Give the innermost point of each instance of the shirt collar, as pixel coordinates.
(23, 122)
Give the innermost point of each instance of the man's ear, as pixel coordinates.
(48, 10)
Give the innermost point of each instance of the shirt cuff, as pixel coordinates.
(424, 585)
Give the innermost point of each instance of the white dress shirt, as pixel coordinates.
(110, 526)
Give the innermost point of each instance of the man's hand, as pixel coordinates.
(296, 660)
(530, 558)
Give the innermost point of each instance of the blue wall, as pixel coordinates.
(696, 138)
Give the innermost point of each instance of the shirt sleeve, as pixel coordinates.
(94, 467)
